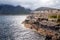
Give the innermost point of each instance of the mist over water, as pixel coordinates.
(12, 29)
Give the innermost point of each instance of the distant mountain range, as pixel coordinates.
(45, 8)
(13, 10)
(17, 10)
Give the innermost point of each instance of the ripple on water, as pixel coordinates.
(12, 29)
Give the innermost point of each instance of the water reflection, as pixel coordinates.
(12, 29)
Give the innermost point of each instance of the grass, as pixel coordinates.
(55, 17)
(52, 16)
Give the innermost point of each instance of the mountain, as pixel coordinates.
(13, 10)
(45, 8)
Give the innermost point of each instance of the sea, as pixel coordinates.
(11, 28)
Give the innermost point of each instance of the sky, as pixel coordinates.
(33, 4)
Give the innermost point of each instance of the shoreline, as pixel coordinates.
(15, 15)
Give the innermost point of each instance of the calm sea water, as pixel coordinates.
(12, 29)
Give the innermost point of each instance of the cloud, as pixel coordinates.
(33, 4)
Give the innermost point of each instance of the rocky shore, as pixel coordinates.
(44, 26)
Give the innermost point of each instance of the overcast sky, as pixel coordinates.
(33, 4)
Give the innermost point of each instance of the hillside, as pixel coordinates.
(45, 8)
(13, 10)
